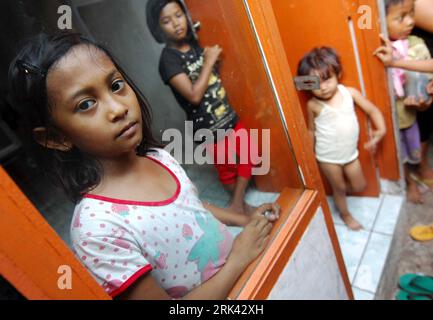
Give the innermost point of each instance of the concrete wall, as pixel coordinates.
(121, 25)
(314, 256)
(20, 20)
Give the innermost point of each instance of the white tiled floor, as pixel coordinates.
(361, 294)
(388, 214)
(352, 246)
(370, 268)
(365, 251)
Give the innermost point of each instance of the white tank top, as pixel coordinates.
(337, 131)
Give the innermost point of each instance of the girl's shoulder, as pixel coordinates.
(163, 156)
(166, 159)
(170, 51)
(342, 87)
(168, 55)
(97, 217)
(351, 91)
(173, 51)
(314, 106)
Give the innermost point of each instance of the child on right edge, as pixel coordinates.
(424, 118)
(400, 23)
(334, 127)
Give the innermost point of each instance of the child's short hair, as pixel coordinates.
(389, 3)
(76, 171)
(153, 12)
(324, 60)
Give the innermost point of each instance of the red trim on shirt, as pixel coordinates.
(131, 280)
(143, 203)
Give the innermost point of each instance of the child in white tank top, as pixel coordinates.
(334, 127)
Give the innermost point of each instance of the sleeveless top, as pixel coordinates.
(337, 131)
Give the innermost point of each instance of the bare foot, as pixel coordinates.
(351, 222)
(413, 194)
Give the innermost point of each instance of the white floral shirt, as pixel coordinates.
(177, 241)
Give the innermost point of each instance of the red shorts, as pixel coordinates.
(239, 149)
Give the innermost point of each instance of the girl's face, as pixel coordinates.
(93, 107)
(173, 22)
(400, 20)
(328, 87)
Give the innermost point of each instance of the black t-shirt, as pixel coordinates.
(214, 111)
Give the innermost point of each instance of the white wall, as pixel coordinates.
(312, 272)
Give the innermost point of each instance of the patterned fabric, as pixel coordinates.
(413, 48)
(177, 240)
(400, 52)
(214, 111)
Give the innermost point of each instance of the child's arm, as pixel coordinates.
(414, 65)
(246, 247)
(430, 88)
(227, 217)
(194, 92)
(384, 53)
(418, 104)
(375, 115)
(311, 108)
(424, 15)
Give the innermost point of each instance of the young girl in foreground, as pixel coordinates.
(332, 122)
(139, 226)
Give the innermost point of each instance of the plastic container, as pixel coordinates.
(416, 83)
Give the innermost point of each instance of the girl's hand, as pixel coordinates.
(384, 53)
(253, 239)
(411, 102)
(419, 105)
(376, 137)
(271, 211)
(211, 54)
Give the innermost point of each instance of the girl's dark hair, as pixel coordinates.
(389, 3)
(324, 60)
(76, 171)
(153, 12)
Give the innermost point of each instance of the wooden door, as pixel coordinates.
(306, 24)
(247, 84)
(267, 99)
(254, 69)
(33, 258)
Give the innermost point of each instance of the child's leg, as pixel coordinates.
(244, 149)
(413, 194)
(424, 170)
(335, 176)
(237, 202)
(224, 156)
(354, 174)
(411, 152)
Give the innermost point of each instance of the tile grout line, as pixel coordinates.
(367, 291)
(368, 240)
(383, 233)
(395, 223)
